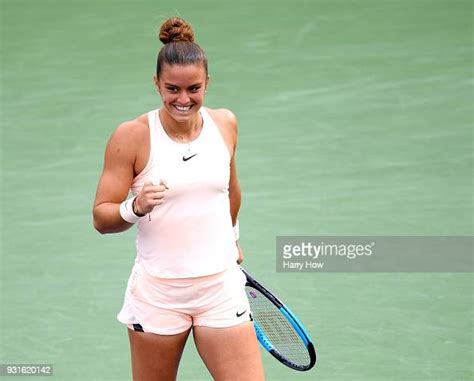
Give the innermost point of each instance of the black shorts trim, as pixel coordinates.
(137, 327)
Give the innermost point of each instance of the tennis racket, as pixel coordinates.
(277, 328)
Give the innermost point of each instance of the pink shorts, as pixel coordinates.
(171, 306)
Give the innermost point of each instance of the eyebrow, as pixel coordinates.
(172, 85)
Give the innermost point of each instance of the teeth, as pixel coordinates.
(181, 108)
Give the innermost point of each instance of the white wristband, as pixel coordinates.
(236, 230)
(126, 211)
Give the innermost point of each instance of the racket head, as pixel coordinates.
(277, 328)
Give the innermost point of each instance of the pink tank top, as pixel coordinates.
(190, 234)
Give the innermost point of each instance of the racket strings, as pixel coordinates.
(278, 330)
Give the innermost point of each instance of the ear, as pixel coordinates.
(208, 79)
(156, 80)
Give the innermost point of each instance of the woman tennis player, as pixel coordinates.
(178, 162)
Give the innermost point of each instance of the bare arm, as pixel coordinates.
(227, 123)
(235, 194)
(126, 155)
(115, 180)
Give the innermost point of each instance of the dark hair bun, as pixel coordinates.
(176, 29)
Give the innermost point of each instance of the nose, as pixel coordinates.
(183, 98)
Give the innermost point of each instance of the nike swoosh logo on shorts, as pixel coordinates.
(189, 157)
(240, 314)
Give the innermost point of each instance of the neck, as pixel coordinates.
(181, 131)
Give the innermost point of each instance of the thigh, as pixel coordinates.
(156, 357)
(230, 354)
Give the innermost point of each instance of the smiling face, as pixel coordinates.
(182, 89)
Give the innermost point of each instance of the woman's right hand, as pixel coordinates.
(150, 196)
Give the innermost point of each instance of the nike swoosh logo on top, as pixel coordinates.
(189, 157)
(239, 315)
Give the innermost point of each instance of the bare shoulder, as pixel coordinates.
(132, 129)
(227, 124)
(127, 139)
(224, 118)
(131, 132)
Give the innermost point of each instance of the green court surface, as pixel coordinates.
(355, 119)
